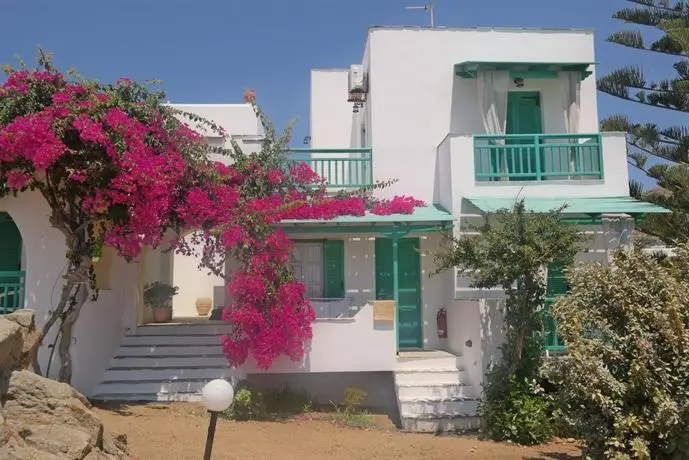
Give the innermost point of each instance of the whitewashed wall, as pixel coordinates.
(360, 278)
(99, 329)
(357, 344)
(415, 99)
(332, 122)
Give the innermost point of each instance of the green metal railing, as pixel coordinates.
(345, 168)
(537, 157)
(12, 287)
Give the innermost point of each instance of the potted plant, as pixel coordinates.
(158, 297)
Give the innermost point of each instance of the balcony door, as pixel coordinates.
(523, 117)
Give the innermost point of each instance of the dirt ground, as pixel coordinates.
(178, 431)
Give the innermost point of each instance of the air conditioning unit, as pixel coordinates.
(357, 79)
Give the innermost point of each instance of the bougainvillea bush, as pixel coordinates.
(118, 167)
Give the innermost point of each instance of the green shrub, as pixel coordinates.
(517, 412)
(252, 404)
(624, 385)
(350, 412)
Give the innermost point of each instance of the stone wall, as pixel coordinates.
(39, 417)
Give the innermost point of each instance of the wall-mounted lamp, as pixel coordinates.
(519, 82)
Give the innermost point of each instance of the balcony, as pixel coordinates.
(538, 157)
(12, 286)
(341, 168)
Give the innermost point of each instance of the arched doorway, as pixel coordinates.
(11, 274)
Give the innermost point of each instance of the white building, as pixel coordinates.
(465, 119)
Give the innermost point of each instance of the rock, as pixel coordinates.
(30, 335)
(41, 418)
(10, 346)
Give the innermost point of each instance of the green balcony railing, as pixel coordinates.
(538, 157)
(341, 168)
(12, 286)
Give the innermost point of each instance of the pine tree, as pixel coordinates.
(670, 145)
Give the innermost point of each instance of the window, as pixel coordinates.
(320, 266)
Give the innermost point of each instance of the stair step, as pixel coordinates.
(428, 390)
(151, 386)
(432, 376)
(179, 361)
(170, 350)
(209, 373)
(432, 362)
(438, 408)
(182, 330)
(148, 397)
(441, 424)
(166, 340)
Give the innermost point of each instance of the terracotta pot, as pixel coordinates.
(162, 314)
(203, 305)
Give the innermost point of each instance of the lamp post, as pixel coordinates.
(217, 397)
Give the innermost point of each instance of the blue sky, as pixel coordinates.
(209, 51)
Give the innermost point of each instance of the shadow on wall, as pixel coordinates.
(327, 388)
(492, 313)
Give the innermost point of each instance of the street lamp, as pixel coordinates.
(217, 397)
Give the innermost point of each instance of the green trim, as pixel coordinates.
(534, 74)
(470, 69)
(387, 252)
(333, 258)
(537, 157)
(341, 168)
(333, 269)
(422, 214)
(380, 229)
(591, 206)
(12, 291)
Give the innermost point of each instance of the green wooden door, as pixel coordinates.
(10, 261)
(523, 117)
(409, 271)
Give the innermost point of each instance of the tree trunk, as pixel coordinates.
(66, 326)
(519, 339)
(76, 275)
(65, 296)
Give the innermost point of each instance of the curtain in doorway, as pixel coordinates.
(492, 100)
(492, 89)
(570, 90)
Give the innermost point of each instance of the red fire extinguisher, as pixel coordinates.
(441, 319)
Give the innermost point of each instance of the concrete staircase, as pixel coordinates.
(432, 393)
(165, 362)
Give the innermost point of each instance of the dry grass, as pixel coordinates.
(178, 431)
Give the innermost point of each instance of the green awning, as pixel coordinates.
(575, 205)
(469, 69)
(424, 218)
(423, 214)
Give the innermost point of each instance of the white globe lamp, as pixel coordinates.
(217, 397)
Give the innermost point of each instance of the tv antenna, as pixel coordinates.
(428, 8)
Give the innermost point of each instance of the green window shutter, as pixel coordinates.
(557, 283)
(333, 268)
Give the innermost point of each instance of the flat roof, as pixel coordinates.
(484, 29)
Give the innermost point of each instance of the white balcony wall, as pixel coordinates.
(415, 98)
(355, 344)
(456, 176)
